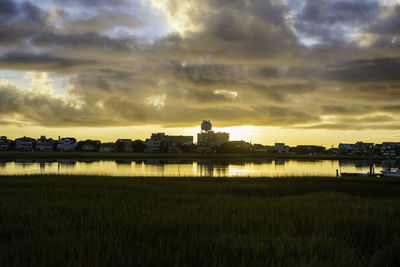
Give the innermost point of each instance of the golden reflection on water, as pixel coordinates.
(161, 168)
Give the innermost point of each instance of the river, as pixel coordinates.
(185, 168)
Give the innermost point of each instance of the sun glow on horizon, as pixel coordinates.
(254, 134)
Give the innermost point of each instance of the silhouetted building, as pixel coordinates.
(390, 149)
(362, 148)
(258, 148)
(281, 148)
(346, 148)
(108, 147)
(89, 145)
(308, 150)
(124, 145)
(24, 144)
(5, 144)
(66, 144)
(159, 142)
(207, 140)
(334, 151)
(44, 144)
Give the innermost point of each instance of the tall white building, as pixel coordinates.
(207, 140)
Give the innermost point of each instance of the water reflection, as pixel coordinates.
(200, 168)
(211, 168)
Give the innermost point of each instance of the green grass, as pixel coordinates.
(103, 221)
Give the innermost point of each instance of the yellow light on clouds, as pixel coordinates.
(177, 14)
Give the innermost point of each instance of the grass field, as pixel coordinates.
(103, 221)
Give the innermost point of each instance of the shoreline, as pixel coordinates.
(177, 156)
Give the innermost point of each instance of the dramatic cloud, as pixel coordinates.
(301, 64)
(331, 22)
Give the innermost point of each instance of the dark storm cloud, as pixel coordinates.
(386, 30)
(200, 74)
(101, 22)
(8, 9)
(337, 109)
(85, 41)
(342, 12)
(39, 61)
(12, 37)
(365, 70)
(92, 3)
(16, 12)
(388, 25)
(328, 21)
(237, 31)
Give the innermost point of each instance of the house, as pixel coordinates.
(346, 148)
(281, 148)
(258, 148)
(66, 144)
(161, 142)
(334, 151)
(153, 143)
(45, 145)
(108, 147)
(308, 150)
(24, 144)
(390, 149)
(5, 144)
(363, 148)
(125, 145)
(89, 145)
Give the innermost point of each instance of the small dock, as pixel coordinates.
(353, 174)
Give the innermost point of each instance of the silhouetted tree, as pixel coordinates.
(189, 148)
(164, 147)
(228, 148)
(138, 146)
(119, 146)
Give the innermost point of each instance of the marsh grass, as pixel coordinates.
(103, 221)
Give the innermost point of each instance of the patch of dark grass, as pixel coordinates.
(88, 221)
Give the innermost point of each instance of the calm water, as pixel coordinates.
(178, 168)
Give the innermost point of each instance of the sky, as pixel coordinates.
(296, 71)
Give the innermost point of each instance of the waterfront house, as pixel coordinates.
(24, 144)
(44, 144)
(346, 148)
(108, 147)
(124, 145)
(159, 142)
(258, 148)
(390, 149)
(66, 144)
(89, 145)
(153, 143)
(281, 148)
(308, 150)
(5, 144)
(363, 148)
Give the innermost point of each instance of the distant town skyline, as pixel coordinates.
(292, 71)
(245, 133)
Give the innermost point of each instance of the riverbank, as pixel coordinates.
(87, 221)
(179, 156)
